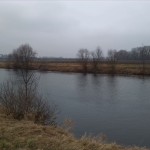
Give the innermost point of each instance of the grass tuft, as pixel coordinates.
(25, 135)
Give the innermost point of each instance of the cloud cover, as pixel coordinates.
(61, 28)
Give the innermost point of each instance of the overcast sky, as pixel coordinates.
(61, 28)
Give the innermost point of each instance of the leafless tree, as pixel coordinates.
(23, 58)
(123, 55)
(21, 97)
(96, 58)
(112, 58)
(83, 55)
(144, 54)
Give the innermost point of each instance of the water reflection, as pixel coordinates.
(96, 81)
(82, 80)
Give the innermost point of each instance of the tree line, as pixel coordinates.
(140, 55)
(137, 53)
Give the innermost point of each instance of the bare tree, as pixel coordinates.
(83, 55)
(123, 55)
(96, 58)
(144, 54)
(23, 58)
(112, 58)
(21, 97)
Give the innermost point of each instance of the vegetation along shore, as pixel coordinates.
(25, 135)
(103, 68)
(122, 62)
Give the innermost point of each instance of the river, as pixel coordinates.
(116, 106)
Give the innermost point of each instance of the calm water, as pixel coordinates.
(116, 106)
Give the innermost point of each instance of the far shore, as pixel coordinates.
(77, 67)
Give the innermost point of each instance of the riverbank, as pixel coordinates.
(25, 135)
(104, 68)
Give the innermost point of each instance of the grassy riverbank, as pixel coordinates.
(25, 135)
(104, 68)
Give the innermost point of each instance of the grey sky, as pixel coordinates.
(61, 28)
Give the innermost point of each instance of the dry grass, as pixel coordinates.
(3, 65)
(105, 68)
(25, 135)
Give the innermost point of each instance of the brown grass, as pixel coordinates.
(3, 65)
(104, 68)
(25, 135)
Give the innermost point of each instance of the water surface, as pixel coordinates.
(116, 106)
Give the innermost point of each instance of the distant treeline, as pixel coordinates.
(140, 55)
(135, 55)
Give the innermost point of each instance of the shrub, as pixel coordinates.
(13, 100)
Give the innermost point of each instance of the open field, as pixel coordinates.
(25, 135)
(103, 68)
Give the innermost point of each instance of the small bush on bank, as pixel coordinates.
(14, 102)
